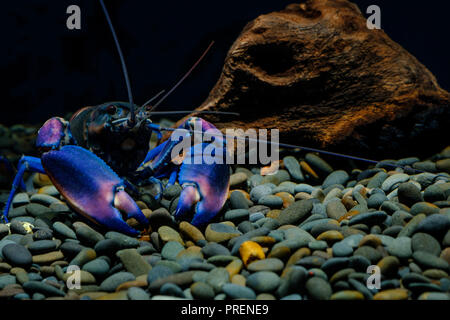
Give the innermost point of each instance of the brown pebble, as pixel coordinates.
(191, 232)
(60, 263)
(5, 267)
(281, 253)
(48, 258)
(389, 265)
(297, 255)
(391, 294)
(120, 295)
(169, 234)
(348, 203)
(219, 236)
(264, 240)
(265, 296)
(142, 206)
(445, 254)
(302, 196)
(11, 290)
(47, 271)
(370, 240)
(347, 295)
(323, 254)
(330, 236)
(341, 275)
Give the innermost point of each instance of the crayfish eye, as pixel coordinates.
(111, 110)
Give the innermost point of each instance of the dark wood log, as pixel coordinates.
(319, 75)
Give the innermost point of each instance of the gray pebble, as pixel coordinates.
(112, 282)
(136, 293)
(235, 291)
(263, 281)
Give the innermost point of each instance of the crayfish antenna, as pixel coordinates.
(190, 111)
(152, 98)
(293, 146)
(124, 67)
(182, 79)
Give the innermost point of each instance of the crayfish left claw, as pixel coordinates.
(92, 188)
(125, 203)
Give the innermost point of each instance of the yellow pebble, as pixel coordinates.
(286, 226)
(251, 251)
(189, 243)
(142, 283)
(305, 166)
(239, 280)
(229, 223)
(347, 295)
(287, 198)
(50, 189)
(234, 267)
(120, 295)
(142, 205)
(349, 215)
(41, 180)
(391, 294)
(330, 235)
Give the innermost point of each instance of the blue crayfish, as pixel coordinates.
(92, 158)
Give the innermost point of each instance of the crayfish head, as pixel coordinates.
(113, 116)
(110, 135)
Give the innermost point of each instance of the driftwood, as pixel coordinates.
(319, 75)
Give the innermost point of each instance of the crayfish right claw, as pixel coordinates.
(92, 188)
(205, 188)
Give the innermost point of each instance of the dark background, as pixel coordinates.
(48, 70)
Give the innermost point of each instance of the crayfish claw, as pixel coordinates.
(126, 204)
(92, 188)
(205, 185)
(188, 197)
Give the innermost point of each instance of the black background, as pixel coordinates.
(48, 70)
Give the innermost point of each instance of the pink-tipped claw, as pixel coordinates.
(92, 188)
